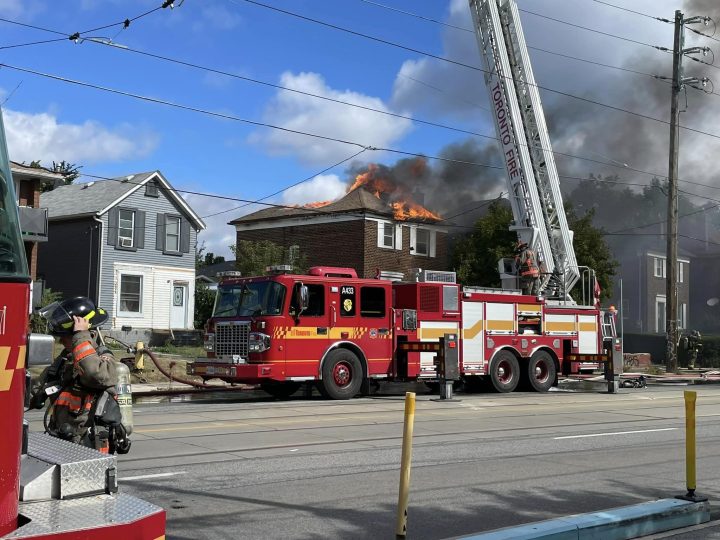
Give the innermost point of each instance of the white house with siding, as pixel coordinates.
(127, 243)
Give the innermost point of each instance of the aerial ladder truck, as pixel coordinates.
(533, 182)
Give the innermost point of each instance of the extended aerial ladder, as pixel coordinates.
(533, 183)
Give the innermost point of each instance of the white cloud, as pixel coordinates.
(312, 115)
(41, 136)
(325, 187)
(19, 8)
(218, 235)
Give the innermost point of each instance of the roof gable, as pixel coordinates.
(359, 201)
(96, 198)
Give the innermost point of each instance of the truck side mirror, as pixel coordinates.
(302, 298)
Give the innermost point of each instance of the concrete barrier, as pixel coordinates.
(613, 524)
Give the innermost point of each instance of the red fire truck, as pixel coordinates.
(341, 331)
(49, 488)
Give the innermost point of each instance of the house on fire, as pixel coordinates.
(361, 231)
(129, 244)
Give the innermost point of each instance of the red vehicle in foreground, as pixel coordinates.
(49, 488)
(340, 331)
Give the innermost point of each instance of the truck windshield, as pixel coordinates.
(12, 252)
(249, 299)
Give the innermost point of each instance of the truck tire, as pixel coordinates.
(505, 372)
(280, 390)
(342, 375)
(541, 371)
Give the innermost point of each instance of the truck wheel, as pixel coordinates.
(342, 375)
(505, 372)
(280, 390)
(541, 371)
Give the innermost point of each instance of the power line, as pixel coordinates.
(594, 30)
(661, 19)
(326, 169)
(41, 42)
(468, 66)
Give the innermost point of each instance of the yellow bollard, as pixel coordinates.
(690, 472)
(405, 460)
(139, 356)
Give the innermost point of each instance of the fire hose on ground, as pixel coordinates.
(167, 373)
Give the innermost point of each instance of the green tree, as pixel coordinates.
(591, 250)
(204, 302)
(476, 255)
(38, 324)
(252, 258)
(70, 172)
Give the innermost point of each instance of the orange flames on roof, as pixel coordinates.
(318, 204)
(401, 200)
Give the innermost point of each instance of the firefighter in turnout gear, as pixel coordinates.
(694, 345)
(81, 381)
(526, 265)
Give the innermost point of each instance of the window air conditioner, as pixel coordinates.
(126, 242)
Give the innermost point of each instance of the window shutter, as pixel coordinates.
(160, 232)
(398, 236)
(112, 237)
(139, 229)
(381, 232)
(184, 235)
(431, 248)
(413, 240)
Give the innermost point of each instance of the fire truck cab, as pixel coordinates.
(340, 331)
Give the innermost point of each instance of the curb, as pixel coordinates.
(613, 524)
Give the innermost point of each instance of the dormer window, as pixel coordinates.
(151, 189)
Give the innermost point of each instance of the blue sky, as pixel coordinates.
(111, 135)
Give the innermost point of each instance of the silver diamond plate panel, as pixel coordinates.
(54, 517)
(82, 469)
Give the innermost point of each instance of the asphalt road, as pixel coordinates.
(311, 469)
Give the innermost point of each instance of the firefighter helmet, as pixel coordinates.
(59, 315)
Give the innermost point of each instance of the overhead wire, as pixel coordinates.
(661, 19)
(468, 66)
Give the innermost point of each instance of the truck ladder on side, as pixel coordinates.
(533, 180)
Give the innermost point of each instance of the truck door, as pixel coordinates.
(363, 318)
(309, 334)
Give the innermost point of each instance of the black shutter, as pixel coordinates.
(139, 229)
(160, 232)
(184, 235)
(112, 237)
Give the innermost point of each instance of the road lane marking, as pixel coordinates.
(613, 433)
(146, 476)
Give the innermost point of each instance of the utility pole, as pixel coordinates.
(672, 213)
(678, 84)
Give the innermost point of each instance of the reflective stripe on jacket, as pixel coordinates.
(526, 264)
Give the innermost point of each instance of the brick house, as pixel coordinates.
(33, 219)
(644, 291)
(358, 231)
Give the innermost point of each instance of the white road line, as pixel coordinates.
(146, 476)
(614, 433)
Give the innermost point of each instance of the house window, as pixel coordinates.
(422, 242)
(126, 228)
(680, 275)
(682, 320)
(130, 293)
(659, 267)
(386, 234)
(372, 302)
(151, 189)
(660, 314)
(172, 234)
